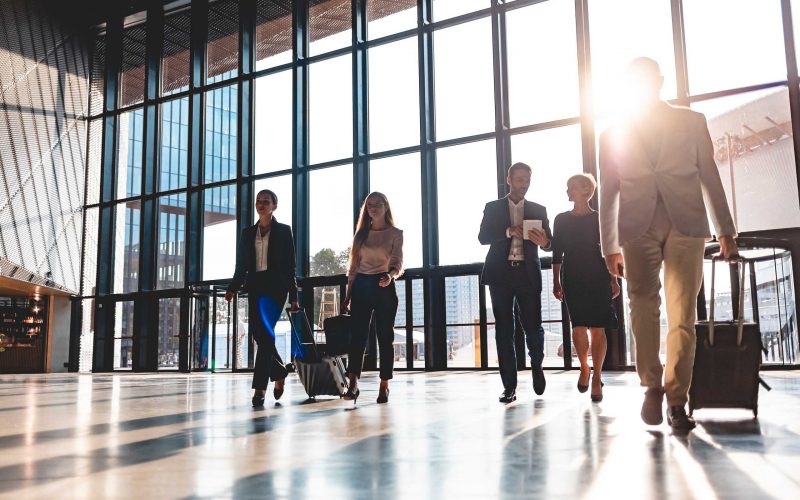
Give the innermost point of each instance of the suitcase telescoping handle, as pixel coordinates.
(740, 261)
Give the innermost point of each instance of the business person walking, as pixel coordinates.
(657, 176)
(265, 268)
(514, 275)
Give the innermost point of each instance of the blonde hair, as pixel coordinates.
(584, 180)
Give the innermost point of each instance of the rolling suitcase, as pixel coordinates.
(727, 359)
(337, 334)
(321, 374)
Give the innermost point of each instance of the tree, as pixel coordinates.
(326, 262)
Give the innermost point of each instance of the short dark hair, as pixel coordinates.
(271, 195)
(519, 166)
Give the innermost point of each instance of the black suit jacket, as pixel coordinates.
(280, 262)
(496, 219)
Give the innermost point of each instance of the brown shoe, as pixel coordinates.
(678, 419)
(651, 407)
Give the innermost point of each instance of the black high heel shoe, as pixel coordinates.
(278, 392)
(383, 396)
(352, 395)
(596, 398)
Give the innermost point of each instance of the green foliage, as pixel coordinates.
(327, 262)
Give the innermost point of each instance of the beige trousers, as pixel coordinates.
(682, 257)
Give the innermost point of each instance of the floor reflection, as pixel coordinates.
(443, 435)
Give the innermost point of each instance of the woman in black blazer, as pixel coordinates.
(265, 269)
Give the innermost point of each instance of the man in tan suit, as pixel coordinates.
(655, 171)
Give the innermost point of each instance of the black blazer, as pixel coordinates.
(280, 262)
(496, 219)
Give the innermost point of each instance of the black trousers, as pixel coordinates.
(371, 302)
(528, 297)
(269, 365)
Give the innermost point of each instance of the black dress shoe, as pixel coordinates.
(678, 419)
(539, 383)
(290, 368)
(258, 401)
(508, 396)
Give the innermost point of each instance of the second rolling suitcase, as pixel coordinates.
(320, 374)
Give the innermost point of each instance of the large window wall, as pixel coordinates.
(427, 101)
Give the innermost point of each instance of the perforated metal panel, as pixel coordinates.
(44, 82)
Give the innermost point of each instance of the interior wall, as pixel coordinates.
(44, 89)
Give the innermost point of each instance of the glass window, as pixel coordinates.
(87, 337)
(171, 241)
(273, 123)
(123, 335)
(95, 158)
(126, 247)
(173, 161)
(555, 155)
(398, 177)
(613, 26)
(131, 77)
(491, 340)
(130, 130)
(466, 172)
(282, 187)
(542, 63)
(175, 59)
(445, 9)
(464, 78)
(733, 44)
(220, 159)
(169, 327)
(222, 52)
(754, 151)
(330, 110)
(97, 86)
(331, 220)
(90, 238)
(551, 323)
(418, 315)
(219, 231)
(393, 95)
(462, 312)
(385, 17)
(273, 33)
(330, 26)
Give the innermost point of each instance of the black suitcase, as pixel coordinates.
(321, 374)
(727, 359)
(337, 334)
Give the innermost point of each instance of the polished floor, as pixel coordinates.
(442, 435)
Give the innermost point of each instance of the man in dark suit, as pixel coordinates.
(513, 273)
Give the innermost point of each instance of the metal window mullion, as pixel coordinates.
(300, 179)
(433, 284)
(585, 88)
(679, 45)
(501, 105)
(360, 90)
(794, 86)
(245, 110)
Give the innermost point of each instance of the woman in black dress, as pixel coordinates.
(581, 279)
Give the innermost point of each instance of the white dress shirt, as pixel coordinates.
(517, 212)
(262, 250)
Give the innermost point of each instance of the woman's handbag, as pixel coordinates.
(338, 332)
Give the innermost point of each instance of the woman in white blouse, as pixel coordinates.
(265, 268)
(376, 260)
